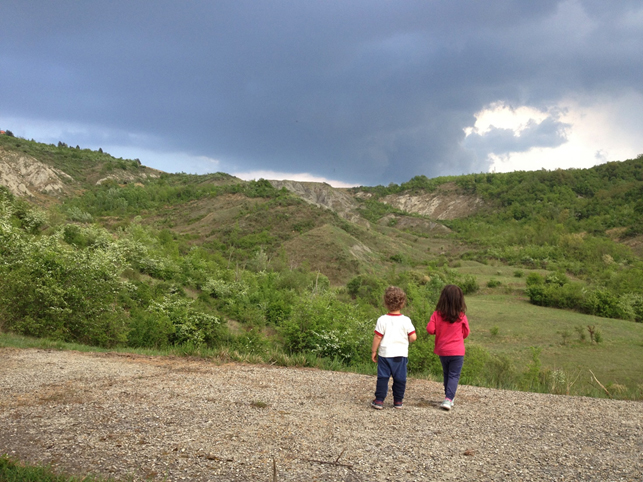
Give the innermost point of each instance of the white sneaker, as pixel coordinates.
(446, 405)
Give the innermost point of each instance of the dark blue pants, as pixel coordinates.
(391, 367)
(451, 369)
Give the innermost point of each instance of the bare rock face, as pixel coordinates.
(444, 203)
(24, 176)
(325, 196)
(128, 177)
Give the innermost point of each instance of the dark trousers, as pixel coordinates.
(391, 367)
(451, 369)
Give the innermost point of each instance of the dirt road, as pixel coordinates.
(176, 419)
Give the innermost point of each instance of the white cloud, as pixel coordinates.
(302, 176)
(502, 116)
(600, 130)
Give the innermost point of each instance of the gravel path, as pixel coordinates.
(175, 419)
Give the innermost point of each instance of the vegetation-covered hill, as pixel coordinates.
(585, 223)
(121, 254)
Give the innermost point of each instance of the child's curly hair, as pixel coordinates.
(394, 298)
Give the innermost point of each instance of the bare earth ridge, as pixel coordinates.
(177, 419)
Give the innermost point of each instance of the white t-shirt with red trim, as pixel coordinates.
(395, 330)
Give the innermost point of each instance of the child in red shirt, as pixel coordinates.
(450, 326)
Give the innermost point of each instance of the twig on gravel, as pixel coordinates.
(274, 470)
(596, 380)
(336, 462)
(340, 455)
(215, 457)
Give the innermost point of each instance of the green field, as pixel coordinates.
(617, 359)
(506, 275)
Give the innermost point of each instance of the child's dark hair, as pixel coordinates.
(394, 298)
(451, 303)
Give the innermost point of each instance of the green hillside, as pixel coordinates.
(126, 256)
(584, 224)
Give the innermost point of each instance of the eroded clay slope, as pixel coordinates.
(444, 203)
(324, 195)
(26, 176)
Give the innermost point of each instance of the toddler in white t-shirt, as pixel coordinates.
(393, 333)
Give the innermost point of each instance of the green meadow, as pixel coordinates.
(509, 325)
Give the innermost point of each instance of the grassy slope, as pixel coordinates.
(522, 325)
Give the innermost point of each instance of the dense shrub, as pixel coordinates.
(493, 283)
(535, 279)
(569, 296)
(593, 301)
(633, 305)
(323, 325)
(149, 330)
(476, 359)
(421, 356)
(76, 214)
(601, 302)
(468, 284)
(187, 324)
(48, 289)
(368, 287)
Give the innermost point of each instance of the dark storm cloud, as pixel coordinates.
(548, 133)
(367, 91)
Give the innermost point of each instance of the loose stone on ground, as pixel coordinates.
(175, 419)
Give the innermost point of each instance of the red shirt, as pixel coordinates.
(449, 337)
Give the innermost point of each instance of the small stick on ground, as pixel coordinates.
(326, 462)
(596, 380)
(340, 455)
(336, 462)
(274, 470)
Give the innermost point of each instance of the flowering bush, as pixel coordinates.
(321, 324)
(188, 325)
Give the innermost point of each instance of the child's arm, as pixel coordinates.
(465, 327)
(412, 337)
(377, 339)
(430, 328)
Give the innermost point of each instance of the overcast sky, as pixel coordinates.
(351, 92)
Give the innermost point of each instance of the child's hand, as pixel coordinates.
(376, 344)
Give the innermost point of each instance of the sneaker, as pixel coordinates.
(398, 404)
(377, 404)
(446, 405)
